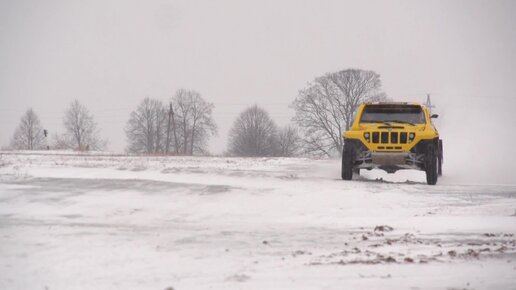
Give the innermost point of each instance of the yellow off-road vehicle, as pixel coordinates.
(392, 136)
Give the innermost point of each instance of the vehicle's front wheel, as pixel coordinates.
(431, 164)
(440, 158)
(347, 162)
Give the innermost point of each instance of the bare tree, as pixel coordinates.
(182, 128)
(192, 123)
(146, 128)
(29, 134)
(289, 142)
(253, 133)
(81, 132)
(325, 108)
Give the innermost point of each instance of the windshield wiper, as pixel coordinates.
(399, 121)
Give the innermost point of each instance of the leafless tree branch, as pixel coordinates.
(326, 107)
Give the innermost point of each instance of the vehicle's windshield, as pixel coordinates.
(411, 114)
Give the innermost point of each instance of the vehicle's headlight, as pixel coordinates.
(367, 135)
(411, 136)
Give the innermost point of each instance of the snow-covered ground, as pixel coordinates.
(74, 221)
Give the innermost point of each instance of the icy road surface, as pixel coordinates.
(115, 222)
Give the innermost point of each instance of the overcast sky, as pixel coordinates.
(111, 54)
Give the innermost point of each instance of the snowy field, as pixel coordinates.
(116, 222)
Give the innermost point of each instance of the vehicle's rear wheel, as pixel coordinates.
(347, 162)
(431, 164)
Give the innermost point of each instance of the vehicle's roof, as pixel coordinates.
(394, 103)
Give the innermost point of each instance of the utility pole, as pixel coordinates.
(45, 133)
(429, 104)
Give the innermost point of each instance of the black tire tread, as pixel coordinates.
(440, 160)
(347, 163)
(431, 164)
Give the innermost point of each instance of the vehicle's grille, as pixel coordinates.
(384, 137)
(403, 138)
(376, 137)
(389, 137)
(394, 137)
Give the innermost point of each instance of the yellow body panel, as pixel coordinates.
(421, 131)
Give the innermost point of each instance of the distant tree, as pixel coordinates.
(193, 123)
(325, 108)
(183, 128)
(145, 129)
(81, 132)
(253, 133)
(29, 135)
(289, 142)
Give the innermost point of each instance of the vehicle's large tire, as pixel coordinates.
(347, 162)
(431, 164)
(440, 159)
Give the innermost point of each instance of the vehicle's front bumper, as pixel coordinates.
(385, 160)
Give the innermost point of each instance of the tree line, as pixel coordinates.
(181, 127)
(324, 109)
(81, 132)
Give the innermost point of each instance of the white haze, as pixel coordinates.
(111, 54)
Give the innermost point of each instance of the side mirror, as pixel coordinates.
(434, 116)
